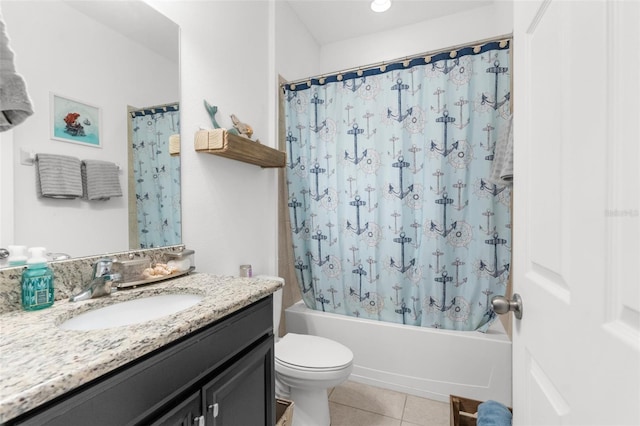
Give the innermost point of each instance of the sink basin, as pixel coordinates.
(131, 312)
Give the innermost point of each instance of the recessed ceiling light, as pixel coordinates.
(380, 5)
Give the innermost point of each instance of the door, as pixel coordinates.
(576, 351)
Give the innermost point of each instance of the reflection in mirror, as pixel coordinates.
(154, 177)
(110, 54)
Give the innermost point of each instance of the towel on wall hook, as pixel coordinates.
(15, 105)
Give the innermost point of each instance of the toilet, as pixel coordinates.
(306, 367)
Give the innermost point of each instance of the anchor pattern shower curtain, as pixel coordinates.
(393, 217)
(157, 176)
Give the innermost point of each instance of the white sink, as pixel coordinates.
(131, 312)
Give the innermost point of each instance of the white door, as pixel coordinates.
(576, 351)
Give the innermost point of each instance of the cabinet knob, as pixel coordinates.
(214, 409)
(198, 421)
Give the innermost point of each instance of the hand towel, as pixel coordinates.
(492, 413)
(502, 166)
(100, 180)
(58, 176)
(15, 105)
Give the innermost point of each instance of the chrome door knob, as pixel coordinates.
(501, 305)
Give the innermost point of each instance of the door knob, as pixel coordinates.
(501, 305)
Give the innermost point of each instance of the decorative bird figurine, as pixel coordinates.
(239, 128)
(243, 128)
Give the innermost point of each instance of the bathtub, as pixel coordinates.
(426, 362)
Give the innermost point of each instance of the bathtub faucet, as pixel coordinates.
(101, 281)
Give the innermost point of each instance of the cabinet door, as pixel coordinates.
(187, 413)
(244, 393)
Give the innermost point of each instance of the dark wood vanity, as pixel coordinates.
(221, 374)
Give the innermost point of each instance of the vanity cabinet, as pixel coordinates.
(220, 374)
(234, 397)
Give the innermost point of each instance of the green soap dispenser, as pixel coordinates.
(37, 281)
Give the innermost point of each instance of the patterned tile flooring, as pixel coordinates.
(356, 404)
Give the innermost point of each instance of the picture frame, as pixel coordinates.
(75, 121)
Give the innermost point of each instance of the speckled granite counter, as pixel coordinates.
(39, 361)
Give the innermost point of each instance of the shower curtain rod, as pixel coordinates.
(138, 112)
(476, 45)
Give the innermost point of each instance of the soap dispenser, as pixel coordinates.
(17, 255)
(37, 281)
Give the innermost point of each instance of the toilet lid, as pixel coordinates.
(312, 352)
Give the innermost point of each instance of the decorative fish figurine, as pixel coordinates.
(239, 128)
(212, 110)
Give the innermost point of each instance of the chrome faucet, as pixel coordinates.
(101, 281)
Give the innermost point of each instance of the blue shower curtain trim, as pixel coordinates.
(155, 110)
(465, 51)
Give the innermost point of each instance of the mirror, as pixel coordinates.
(112, 55)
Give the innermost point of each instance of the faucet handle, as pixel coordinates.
(110, 283)
(102, 267)
(115, 277)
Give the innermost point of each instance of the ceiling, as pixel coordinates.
(333, 20)
(327, 20)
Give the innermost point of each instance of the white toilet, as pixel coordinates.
(306, 367)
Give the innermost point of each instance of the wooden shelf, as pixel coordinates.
(219, 142)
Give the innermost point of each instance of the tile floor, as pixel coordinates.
(355, 404)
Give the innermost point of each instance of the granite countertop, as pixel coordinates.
(39, 361)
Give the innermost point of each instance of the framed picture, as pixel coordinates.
(75, 121)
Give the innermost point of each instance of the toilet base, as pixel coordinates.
(311, 407)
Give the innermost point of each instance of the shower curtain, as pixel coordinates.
(156, 175)
(393, 217)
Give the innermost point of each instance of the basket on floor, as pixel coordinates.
(284, 412)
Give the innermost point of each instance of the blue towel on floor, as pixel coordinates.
(492, 413)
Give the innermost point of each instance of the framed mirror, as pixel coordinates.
(117, 56)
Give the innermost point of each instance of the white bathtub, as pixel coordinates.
(425, 362)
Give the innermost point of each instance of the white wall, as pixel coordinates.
(62, 51)
(461, 28)
(297, 52)
(228, 207)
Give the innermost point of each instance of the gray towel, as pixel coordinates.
(100, 180)
(15, 105)
(502, 166)
(58, 176)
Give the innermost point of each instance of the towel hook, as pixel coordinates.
(27, 158)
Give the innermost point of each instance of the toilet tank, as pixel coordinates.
(277, 303)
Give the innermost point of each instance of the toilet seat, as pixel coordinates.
(309, 369)
(312, 353)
